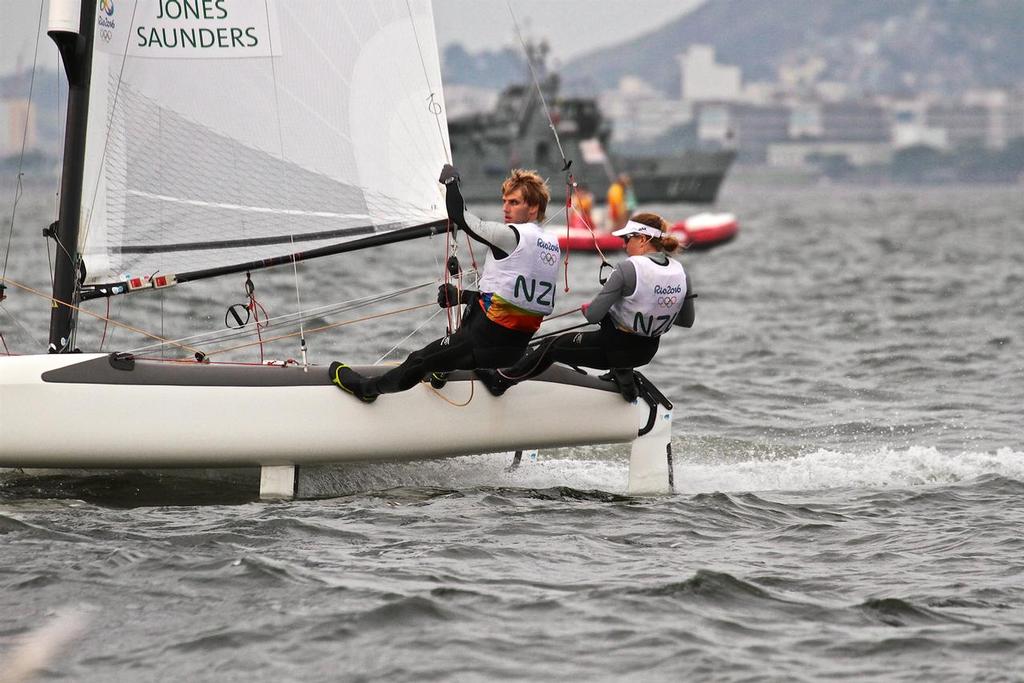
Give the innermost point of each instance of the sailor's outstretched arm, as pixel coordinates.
(500, 238)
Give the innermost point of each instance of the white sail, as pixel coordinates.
(224, 131)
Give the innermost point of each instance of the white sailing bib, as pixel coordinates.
(525, 278)
(653, 306)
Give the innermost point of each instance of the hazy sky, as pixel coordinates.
(572, 27)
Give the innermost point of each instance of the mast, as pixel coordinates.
(71, 28)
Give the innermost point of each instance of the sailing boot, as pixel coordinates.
(625, 381)
(495, 382)
(351, 382)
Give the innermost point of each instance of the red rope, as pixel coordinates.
(570, 192)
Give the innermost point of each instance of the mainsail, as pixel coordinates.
(229, 131)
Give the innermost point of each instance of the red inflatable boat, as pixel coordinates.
(700, 231)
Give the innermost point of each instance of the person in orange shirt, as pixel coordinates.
(617, 212)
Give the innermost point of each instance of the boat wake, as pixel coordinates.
(830, 469)
(565, 473)
(603, 469)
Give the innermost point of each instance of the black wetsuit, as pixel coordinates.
(478, 343)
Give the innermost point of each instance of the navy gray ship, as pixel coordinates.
(517, 134)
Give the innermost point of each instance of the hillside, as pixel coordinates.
(877, 46)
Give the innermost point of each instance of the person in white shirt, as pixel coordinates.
(517, 289)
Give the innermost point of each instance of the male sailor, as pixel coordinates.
(645, 296)
(517, 289)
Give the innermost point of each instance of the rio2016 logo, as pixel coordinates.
(105, 21)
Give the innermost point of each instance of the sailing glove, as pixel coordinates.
(449, 174)
(448, 295)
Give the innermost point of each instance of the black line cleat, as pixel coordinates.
(438, 379)
(350, 381)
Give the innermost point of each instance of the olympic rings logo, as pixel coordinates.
(668, 301)
(106, 35)
(548, 258)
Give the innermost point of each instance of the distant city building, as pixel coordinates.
(1014, 114)
(831, 91)
(804, 155)
(802, 76)
(748, 128)
(910, 125)
(913, 135)
(640, 112)
(997, 103)
(854, 122)
(805, 121)
(705, 80)
(965, 125)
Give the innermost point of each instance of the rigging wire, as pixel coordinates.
(407, 337)
(323, 328)
(452, 269)
(298, 303)
(79, 309)
(288, 319)
(24, 330)
(24, 142)
(433, 106)
(295, 267)
(570, 181)
(540, 91)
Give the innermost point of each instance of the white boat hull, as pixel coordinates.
(85, 414)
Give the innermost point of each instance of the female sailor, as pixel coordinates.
(643, 298)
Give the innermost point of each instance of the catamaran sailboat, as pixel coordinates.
(213, 138)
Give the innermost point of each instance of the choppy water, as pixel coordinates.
(849, 457)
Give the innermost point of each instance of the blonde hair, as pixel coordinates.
(535, 190)
(667, 243)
